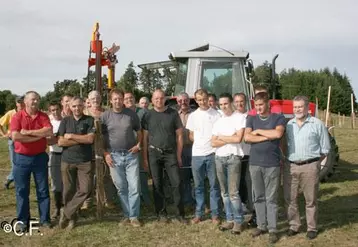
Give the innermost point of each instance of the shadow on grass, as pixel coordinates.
(344, 172)
(338, 212)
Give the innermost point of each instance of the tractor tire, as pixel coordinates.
(329, 164)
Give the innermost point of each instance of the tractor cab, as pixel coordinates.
(217, 71)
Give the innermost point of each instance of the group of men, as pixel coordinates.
(236, 150)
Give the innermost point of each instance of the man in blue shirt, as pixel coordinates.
(307, 145)
(264, 131)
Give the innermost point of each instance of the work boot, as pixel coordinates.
(257, 232)
(237, 229)
(63, 220)
(311, 235)
(58, 204)
(215, 220)
(273, 237)
(228, 225)
(7, 184)
(135, 222)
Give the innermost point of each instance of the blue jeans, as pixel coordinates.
(205, 166)
(23, 167)
(228, 171)
(125, 175)
(11, 157)
(185, 176)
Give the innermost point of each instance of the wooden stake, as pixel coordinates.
(317, 112)
(344, 118)
(352, 114)
(98, 145)
(328, 101)
(339, 120)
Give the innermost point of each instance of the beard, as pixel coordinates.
(299, 115)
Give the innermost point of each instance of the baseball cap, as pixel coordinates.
(19, 99)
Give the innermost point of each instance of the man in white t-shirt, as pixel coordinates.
(55, 158)
(228, 132)
(240, 103)
(200, 124)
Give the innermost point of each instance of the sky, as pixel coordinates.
(45, 41)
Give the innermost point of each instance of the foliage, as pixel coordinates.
(315, 84)
(290, 82)
(7, 101)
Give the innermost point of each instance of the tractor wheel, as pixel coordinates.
(329, 164)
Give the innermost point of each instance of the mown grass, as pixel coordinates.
(338, 217)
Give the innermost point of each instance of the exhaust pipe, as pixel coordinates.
(273, 76)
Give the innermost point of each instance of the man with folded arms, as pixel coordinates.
(308, 144)
(76, 136)
(29, 129)
(264, 131)
(228, 132)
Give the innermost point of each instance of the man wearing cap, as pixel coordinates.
(5, 124)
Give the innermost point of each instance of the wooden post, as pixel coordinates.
(352, 114)
(328, 101)
(343, 120)
(99, 169)
(339, 120)
(317, 112)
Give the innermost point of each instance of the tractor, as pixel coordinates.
(223, 71)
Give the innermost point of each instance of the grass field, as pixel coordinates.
(338, 217)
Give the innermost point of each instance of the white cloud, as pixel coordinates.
(45, 41)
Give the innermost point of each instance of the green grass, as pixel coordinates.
(337, 218)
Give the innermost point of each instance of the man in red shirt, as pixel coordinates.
(273, 108)
(29, 129)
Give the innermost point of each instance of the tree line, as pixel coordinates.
(290, 82)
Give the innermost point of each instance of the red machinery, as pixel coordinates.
(103, 57)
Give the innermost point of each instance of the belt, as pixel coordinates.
(161, 150)
(56, 153)
(304, 162)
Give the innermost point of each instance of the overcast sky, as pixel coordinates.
(43, 41)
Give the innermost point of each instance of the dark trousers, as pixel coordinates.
(75, 177)
(159, 160)
(24, 165)
(244, 193)
(186, 175)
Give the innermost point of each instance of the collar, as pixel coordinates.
(309, 119)
(189, 111)
(25, 114)
(82, 117)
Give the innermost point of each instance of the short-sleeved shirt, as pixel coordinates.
(161, 127)
(6, 119)
(118, 129)
(227, 126)
(55, 124)
(22, 120)
(201, 123)
(267, 153)
(81, 152)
